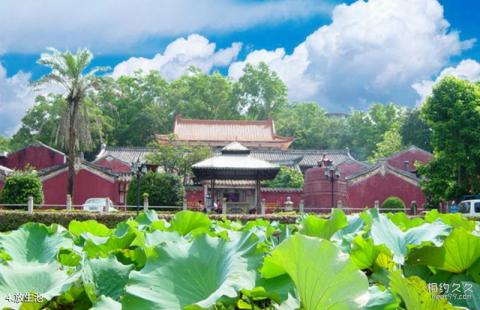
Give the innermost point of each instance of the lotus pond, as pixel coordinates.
(363, 261)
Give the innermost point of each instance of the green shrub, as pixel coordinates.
(19, 186)
(163, 189)
(393, 202)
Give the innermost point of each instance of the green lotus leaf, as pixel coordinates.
(404, 222)
(196, 274)
(92, 227)
(46, 280)
(472, 294)
(414, 293)
(121, 238)
(383, 231)
(136, 256)
(186, 222)
(277, 288)
(455, 220)
(34, 242)
(459, 252)
(474, 271)
(291, 303)
(69, 257)
(158, 237)
(325, 278)
(344, 237)
(106, 303)
(315, 226)
(105, 276)
(380, 299)
(363, 252)
(147, 218)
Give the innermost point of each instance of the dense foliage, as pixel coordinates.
(286, 178)
(177, 158)
(4, 144)
(369, 261)
(19, 186)
(163, 189)
(393, 202)
(453, 112)
(130, 110)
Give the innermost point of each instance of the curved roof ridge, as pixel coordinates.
(409, 148)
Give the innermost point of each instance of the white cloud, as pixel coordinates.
(467, 69)
(117, 26)
(195, 50)
(16, 96)
(372, 51)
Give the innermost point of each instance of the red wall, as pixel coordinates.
(114, 164)
(36, 156)
(412, 155)
(193, 195)
(87, 185)
(349, 168)
(378, 187)
(272, 197)
(276, 198)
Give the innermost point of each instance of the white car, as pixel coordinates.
(99, 205)
(469, 207)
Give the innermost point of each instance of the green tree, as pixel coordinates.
(260, 92)
(415, 131)
(19, 186)
(453, 111)
(366, 129)
(42, 123)
(4, 144)
(163, 189)
(137, 106)
(286, 178)
(391, 143)
(198, 95)
(177, 158)
(67, 71)
(304, 121)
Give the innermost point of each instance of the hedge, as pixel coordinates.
(12, 219)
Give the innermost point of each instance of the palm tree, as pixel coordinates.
(67, 71)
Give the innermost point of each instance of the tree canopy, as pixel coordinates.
(4, 144)
(286, 178)
(177, 158)
(130, 110)
(453, 113)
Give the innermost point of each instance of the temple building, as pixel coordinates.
(244, 154)
(218, 133)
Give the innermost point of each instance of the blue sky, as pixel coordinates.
(340, 54)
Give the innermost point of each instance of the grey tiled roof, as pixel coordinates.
(304, 158)
(127, 154)
(307, 158)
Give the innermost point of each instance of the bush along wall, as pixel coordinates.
(19, 186)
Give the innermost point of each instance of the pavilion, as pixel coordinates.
(234, 165)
